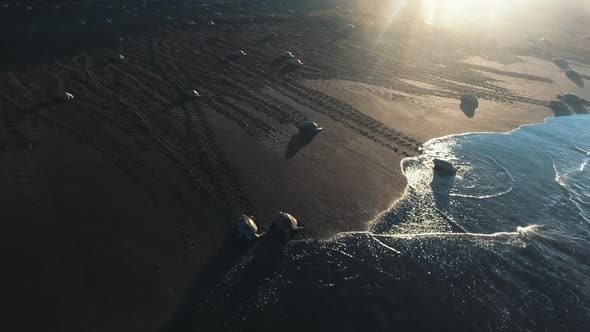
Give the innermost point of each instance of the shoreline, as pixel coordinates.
(103, 194)
(400, 200)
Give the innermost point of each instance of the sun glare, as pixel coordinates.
(449, 13)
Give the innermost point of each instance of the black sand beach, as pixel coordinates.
(113, 202)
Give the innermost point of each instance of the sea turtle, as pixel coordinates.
(570, 98)
(68, 96)
(309, 127)
(284, 225)
(238, 53)
(246, 228)
(287, 55)
(546, 41)
(295, 62)
(443, 166)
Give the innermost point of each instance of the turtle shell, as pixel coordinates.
(247, 228)
(284, 224)
(310, 126)
(295, 62)
(287, 54)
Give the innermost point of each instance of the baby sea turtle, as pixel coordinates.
(246, 228)
(284, 225)
(309, 127)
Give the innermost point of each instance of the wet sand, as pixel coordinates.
(114, 202)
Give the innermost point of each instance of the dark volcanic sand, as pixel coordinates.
(113, 203)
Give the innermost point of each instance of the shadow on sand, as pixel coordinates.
(278, 61)
(228, 256)
(263, 253)
(559, 111)
(562, 66)
(578, 108)
(577, 80)
(288, 68)
(468, 109)
(297, 142)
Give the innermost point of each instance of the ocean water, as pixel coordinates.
(503, 245)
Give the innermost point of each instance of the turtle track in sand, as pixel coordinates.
(146, 97)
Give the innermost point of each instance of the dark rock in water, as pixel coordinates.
(469, 103)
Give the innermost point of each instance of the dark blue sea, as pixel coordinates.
(503, 245)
